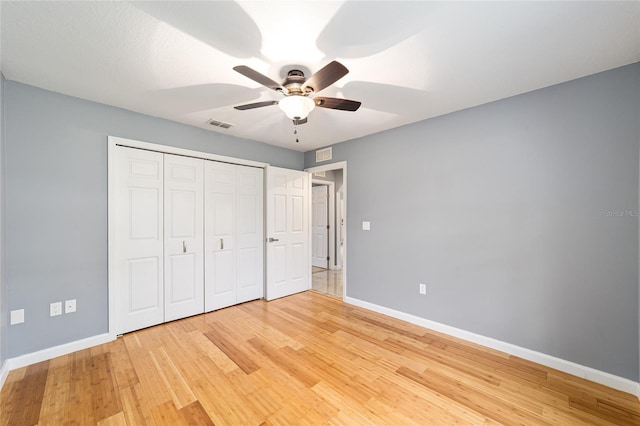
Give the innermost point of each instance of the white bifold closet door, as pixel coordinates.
(234, 247)
(183, 237)
(159, 248)
(139, 222)
(189, 236)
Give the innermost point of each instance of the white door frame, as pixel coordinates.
(336, 166)
(340, 222)
(332, 219)
(112, 142)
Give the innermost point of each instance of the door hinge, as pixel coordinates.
(328, 258)
(327, 226)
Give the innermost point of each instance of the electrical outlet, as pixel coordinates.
(69, 306)
(55, 309)
(423, 288)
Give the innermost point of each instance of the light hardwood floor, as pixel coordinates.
(328, 281)
(303, 359)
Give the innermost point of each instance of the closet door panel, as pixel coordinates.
(183, 271)
(220, 240)
(139, 241)
(143, 285)
(183, 236)
(250, 235)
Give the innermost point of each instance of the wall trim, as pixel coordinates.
(50, 353)
(601, 377)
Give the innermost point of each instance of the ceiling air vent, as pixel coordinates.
(221, 124)
(323, 155)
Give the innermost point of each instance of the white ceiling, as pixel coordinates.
(408, 61)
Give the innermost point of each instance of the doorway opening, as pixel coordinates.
(328, 219)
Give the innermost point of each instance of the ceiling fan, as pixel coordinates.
(297, 89)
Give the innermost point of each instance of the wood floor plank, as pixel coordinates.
(151, 390)
(194, 414)
(125, 372)
(168, 414)
(135, 407)
(606, 412)
(180, 392)
(348, 410)
(79, 405)
(232, 351)
(490, 406)
(303, 359)
(285, 361)
(56, 392)
(210, 359)
(105, 398)
(405, 394)
(30, 395)
(116, 420)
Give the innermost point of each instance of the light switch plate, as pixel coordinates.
(366, 225)
(17, 316)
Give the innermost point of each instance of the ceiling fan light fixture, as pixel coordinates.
(296, 107)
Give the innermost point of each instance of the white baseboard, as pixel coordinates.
(604, 378)
(49, 353)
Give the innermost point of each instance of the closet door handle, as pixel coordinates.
(221, 243)
(271, 239)
(184, 246)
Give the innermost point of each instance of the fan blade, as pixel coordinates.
(256, 76)
(299, 122)
(336, 103)
(326, 76)
(256, 105)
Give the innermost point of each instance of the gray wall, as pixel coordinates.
(519, 214)
(56, 194)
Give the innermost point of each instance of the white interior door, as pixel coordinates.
(250, 234)
(220, 241)
(183, 237)
(139, 240)
(288, 252)
(319, 226)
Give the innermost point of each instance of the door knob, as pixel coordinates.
(271, 239)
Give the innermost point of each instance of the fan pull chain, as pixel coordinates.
(295, 132)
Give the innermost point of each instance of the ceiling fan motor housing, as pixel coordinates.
(293, 83)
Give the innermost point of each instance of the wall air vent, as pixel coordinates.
(323, 155)
(320, 174)
(221, 124)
